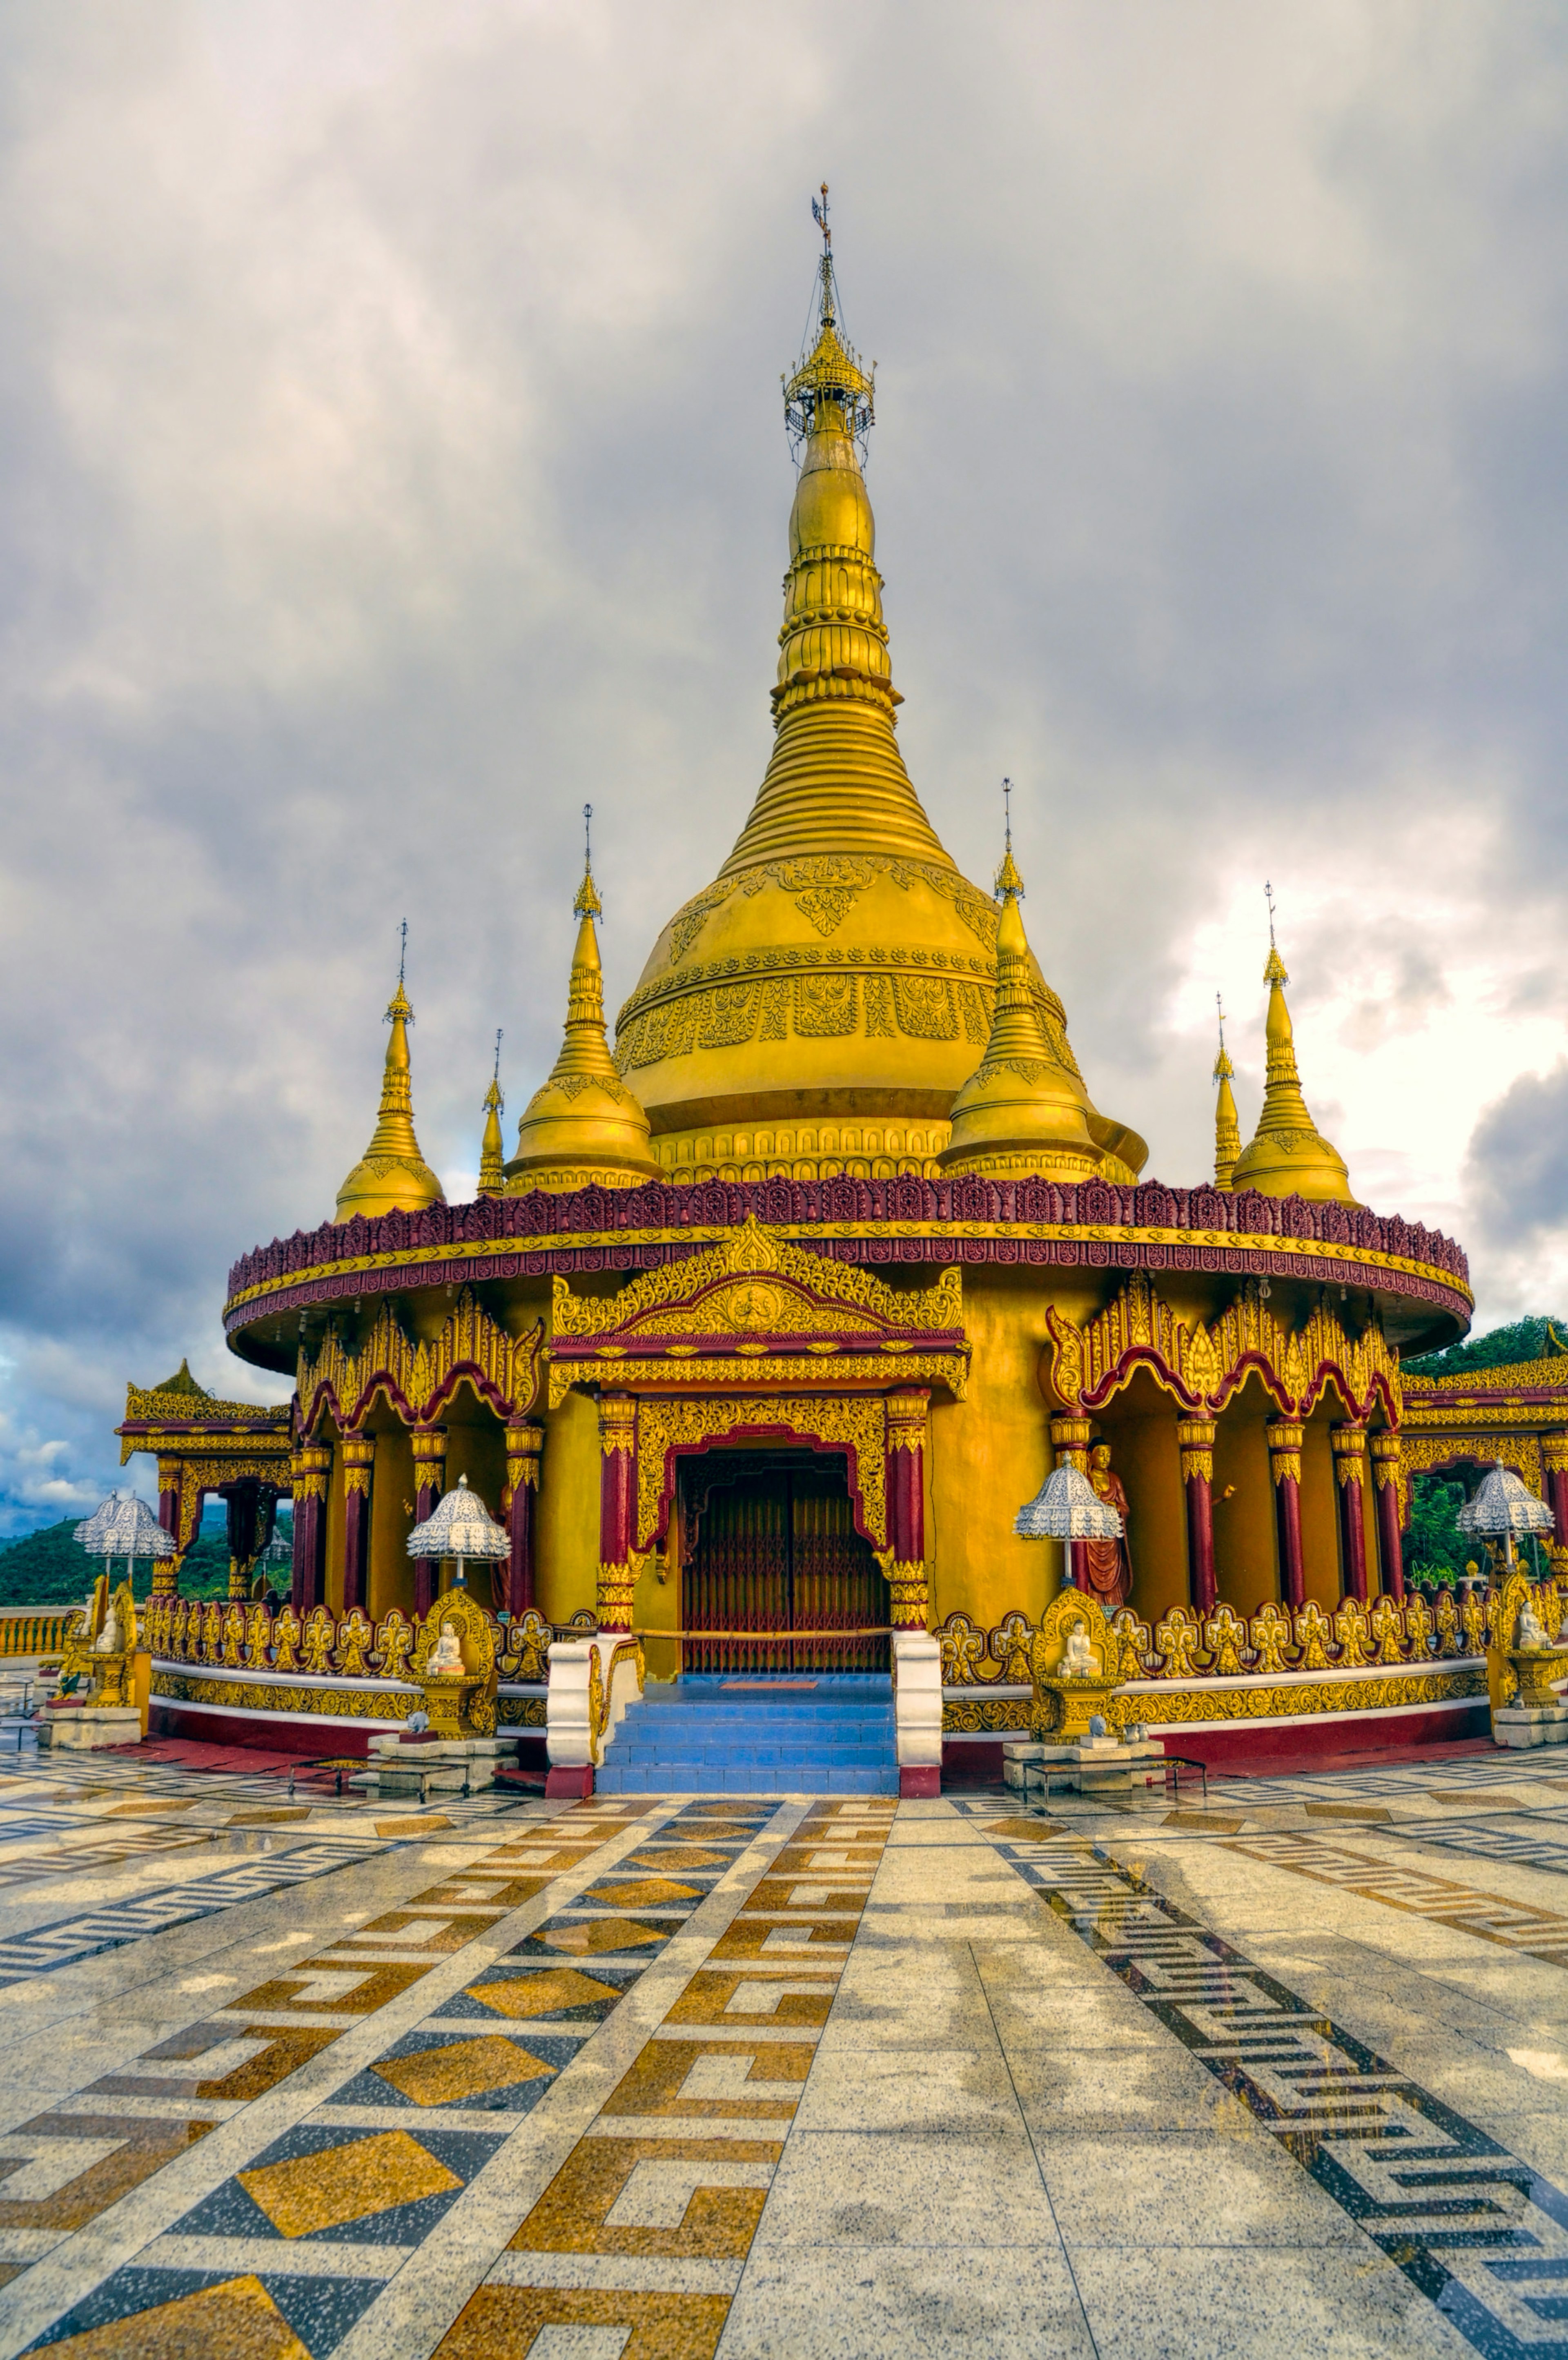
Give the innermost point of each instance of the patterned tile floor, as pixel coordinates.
(667, 2077)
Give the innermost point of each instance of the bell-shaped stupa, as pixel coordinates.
(392, 1175)
(820, 1006)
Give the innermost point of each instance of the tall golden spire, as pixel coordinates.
(837, 780)
(492, 1148)
(1019, 1111)
(1227, 1130)
(583, 1124)
(1288, 1154)
(392, 1175)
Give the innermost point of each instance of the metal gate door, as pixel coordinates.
(774, 1552)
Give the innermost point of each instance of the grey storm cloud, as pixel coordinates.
(391, 462)
(1519, 1158)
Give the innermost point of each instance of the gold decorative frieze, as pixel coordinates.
(417, 1379)
(856, 1424)
(1201, 1365)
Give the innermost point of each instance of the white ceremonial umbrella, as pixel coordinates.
(124, 1527)
(1067, 1508)
(1505, 1504)
(461, 1527)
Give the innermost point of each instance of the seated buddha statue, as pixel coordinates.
(445, 1659)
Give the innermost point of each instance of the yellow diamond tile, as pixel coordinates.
(646, 1893)
(346, 2183)
(461, 2069)
(595, 1934)
(238, 2318)
(542, 1995)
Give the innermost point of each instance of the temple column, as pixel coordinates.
(907, 1580)
(312, 1468)
(430, 1481)
(1554, 1464)
(170, 1498)
(618, 1510)
(525, 1446)
(1349, 1444)
(1386, 1499)
(1285, 1466)
(358, 1462)
(1196, 1438)
(1069, 1440)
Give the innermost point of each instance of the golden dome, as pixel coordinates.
(392, 1176)
(585, 1124)
(1022, 1110)
(1287, 1155)
(818, 1007)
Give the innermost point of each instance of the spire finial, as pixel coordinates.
(1223, 1069)
(819, 215)
(392, 1175)
(1007, 878)
(1274, 972)
(587, 904)
(497, 1075)
(492, 1147)
(403, 950)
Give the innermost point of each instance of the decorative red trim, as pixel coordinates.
(769, 1431)
(574, 1783)
(919, 1785)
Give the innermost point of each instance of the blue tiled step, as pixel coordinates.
(706, 1735)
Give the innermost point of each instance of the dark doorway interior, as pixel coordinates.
(770, 1552)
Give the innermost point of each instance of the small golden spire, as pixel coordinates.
(492, 1148)
(392, 1175)
(585, 1124)
(1287, 1155)
(1008, 880)
(1019, 1110)
(1227, 1130)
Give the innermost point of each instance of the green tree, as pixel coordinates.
(1538, 1337)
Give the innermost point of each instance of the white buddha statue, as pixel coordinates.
(111, 1639)
(1077, 1663)
(1532, 1633)
(445, 1658)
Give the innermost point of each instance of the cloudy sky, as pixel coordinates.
(391, 461)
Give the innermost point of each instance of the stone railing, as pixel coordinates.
(1225, 1645)
(319, 1645)
(36, 1630)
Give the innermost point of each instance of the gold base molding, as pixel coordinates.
(1172, 1705)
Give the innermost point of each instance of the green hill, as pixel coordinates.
(50, 1568)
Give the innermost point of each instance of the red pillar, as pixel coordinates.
(525, 1446)
(1386, 1499)
(1069, 1440)
(312, 1465)
(430, 1481)
(358, 1461)
(910, 1601)
(1285, 1466)
(1349, 1443)
(1196, 1438)
(618, 1510)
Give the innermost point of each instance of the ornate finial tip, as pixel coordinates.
(397, 1006)
(1223, 1069)
(1007, 878)
(1276, 971)
(587, 904)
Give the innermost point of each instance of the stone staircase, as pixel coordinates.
(714, 1736)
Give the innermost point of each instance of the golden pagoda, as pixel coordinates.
(1227, 1129)
(585, 1124)
(392, 1175)
(777, 1316)
(1288, 1154)
(817, 1008)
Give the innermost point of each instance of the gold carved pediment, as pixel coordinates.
(755, 1285)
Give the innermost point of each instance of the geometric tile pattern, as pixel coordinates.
(1515, 1925)
(673, 2172)
(1480, 1840)
(1479, 2232)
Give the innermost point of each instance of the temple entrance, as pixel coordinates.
(770, 1558)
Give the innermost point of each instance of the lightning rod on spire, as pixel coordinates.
(1007, 813)
(497, 1075)
(1268, 896)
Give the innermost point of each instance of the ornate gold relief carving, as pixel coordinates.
(854, 1422)
(415, 1379)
